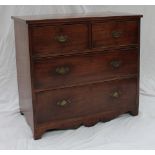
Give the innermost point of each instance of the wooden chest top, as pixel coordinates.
(36, 19)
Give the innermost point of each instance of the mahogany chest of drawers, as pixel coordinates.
(77, 69)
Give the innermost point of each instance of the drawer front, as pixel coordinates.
(73, 70)
(115, 33)
(61, 104)
(59, 39)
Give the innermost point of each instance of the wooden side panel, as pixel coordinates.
(23, 71)
(138, 79)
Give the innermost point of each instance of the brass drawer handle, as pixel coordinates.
(116, 63)
(116, 94)
(62, 103)
(116, 34)
(62, 70)
(62, 38)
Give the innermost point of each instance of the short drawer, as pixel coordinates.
(59, 39)
(74, 70)
(62, 104)
(115, 33)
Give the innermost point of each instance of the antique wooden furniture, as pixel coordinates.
(77, 69)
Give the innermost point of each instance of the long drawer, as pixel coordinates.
(62, 104)
(75, 70)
